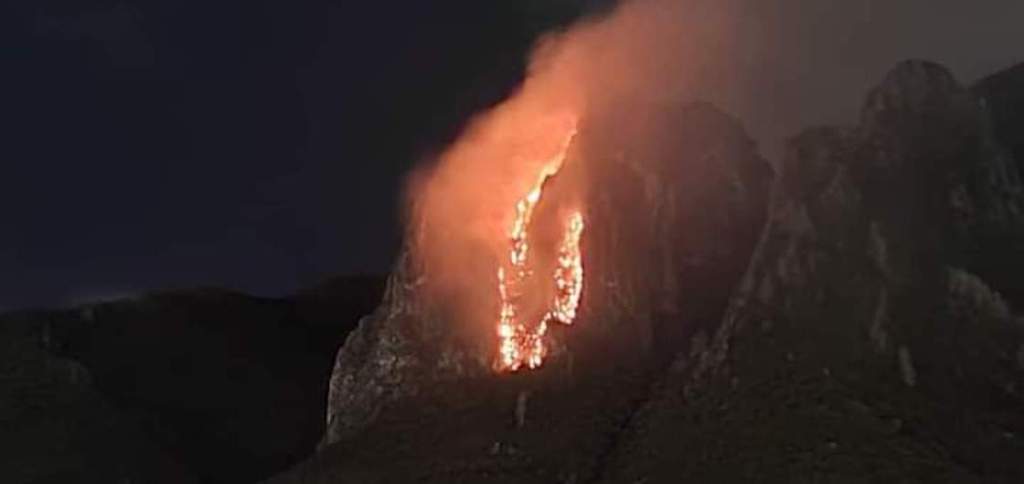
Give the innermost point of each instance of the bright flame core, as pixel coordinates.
(470, 209)
(521, 340)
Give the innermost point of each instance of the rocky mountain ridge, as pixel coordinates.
(872, 336)
(642, 246)
(860, 345)
(855, 317)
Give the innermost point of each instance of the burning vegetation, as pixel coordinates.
(587, 223)
(521, 335)
(500, 242)
(498, 220)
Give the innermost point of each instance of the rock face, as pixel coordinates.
(182, 386)
(672, 219)
(865, 341)
(661, 220)
(1002, 95)
(392, 354)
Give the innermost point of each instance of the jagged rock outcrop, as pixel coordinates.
(667, 218)
(674, 218)
(865, 341)
(392, 354)
(1003, 96)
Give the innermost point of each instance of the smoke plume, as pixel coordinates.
(610, 78)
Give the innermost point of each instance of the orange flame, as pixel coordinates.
(522, 343)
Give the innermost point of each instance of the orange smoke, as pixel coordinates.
(522, 339)
(485, 210)
(510, 195)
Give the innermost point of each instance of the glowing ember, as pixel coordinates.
(522, 340)
(569, 275)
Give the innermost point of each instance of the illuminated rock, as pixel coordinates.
(667, 234)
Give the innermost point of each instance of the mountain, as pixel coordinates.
(200, 385)
(853, 316)
(865, 342)
(870, 332)
(655, 231)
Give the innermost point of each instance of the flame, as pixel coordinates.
(520, 341)
(569, 275)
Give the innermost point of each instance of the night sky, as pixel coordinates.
(261, 145)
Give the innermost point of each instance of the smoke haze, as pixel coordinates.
(778, 66)
(609, 77)
(238, 143)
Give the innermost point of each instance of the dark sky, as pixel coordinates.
(260, 145)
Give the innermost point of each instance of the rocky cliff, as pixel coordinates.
(866, 341)
(871, 335)
(855, 317)
(660, 221)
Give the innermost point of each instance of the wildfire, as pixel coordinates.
(521, 340)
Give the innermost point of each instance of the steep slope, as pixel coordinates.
(408, 403)
(1003, 94)
(860, 345)
(866, 341)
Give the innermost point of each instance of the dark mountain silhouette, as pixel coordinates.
(857, 320)
(201, 385)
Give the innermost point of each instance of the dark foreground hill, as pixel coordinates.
(198, 385)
